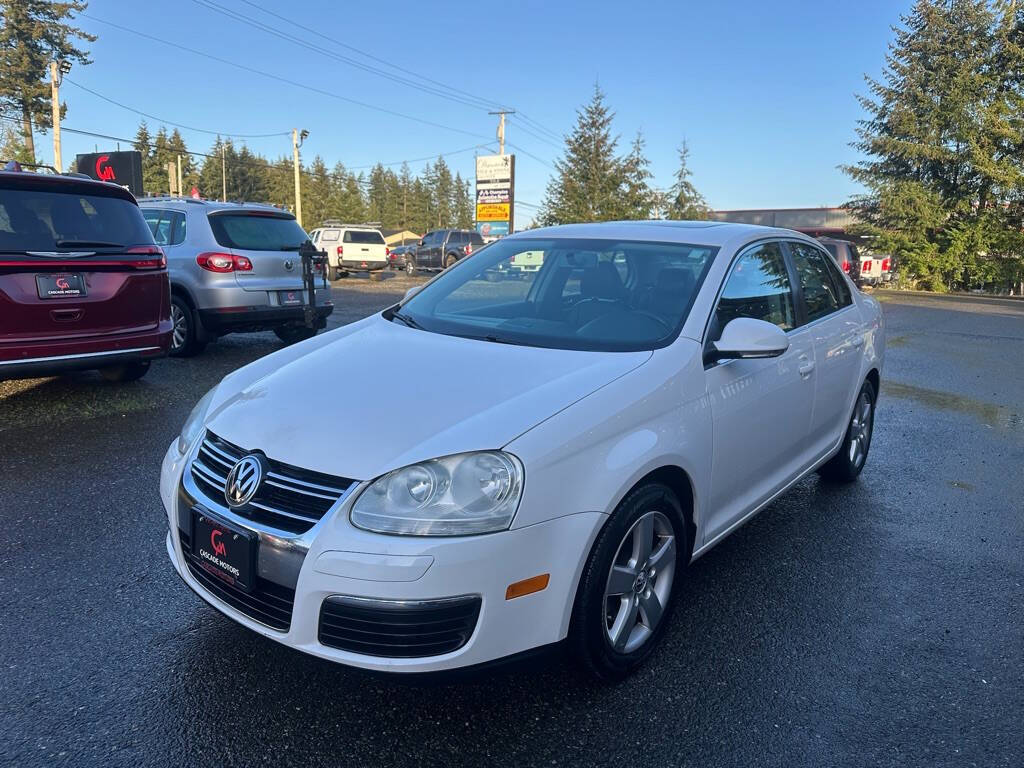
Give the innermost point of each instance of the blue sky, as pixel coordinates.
(762, 92)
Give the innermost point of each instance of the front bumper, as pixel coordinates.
(335, 559)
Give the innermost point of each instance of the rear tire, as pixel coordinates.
(121, 374)
(332, 273)
(410, 267)
(184, 341)
(846, 465)
(629, 584)
(450, 260)
(293, 334)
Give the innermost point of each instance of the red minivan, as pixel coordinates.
(82, 284)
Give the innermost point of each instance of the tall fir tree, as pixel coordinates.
(941, 143)
(32, 34)
(637, 199)
(588, 177)
(684, 202)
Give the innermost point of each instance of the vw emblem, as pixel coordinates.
(243, 481)
(289, 265)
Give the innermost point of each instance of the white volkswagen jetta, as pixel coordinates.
(583, 432)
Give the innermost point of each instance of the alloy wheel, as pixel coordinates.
(640, 582)
(179, 325)
(860, 430)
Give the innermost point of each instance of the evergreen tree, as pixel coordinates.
(942, 142)
(462, 210)
(11, 145)
(637, 200)
(32, 34)
(684, 201)
(589, 177)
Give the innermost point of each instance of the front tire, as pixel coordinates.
(184, 334)
(628, 587)
(121, 374)
(846, 465)
(293, 334)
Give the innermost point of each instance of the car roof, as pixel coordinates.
(63, 183)
(212, 205)
(710, 233)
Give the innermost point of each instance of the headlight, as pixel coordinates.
(458, 495)
(194, 423)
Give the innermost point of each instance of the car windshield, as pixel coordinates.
(257, 231)
(586, 294)
(33, 220)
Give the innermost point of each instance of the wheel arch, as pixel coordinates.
(876, 380)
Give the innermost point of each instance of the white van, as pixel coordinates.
(350, 247)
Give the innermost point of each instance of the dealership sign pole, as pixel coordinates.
(495, 194)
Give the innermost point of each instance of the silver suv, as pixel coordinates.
(234, 267)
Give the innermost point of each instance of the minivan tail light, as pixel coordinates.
(223, 262)
(156, 260)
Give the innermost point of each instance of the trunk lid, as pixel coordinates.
(269, 239)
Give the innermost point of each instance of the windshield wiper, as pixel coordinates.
(87, 244)
(405, 319)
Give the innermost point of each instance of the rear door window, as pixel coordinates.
(168, 227)
(35, 220)
(257, 231)
(821, 296)
(363, 237)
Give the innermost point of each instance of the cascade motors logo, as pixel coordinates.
(219, 548)
(104, 172)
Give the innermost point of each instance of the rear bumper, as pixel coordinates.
(362, 266)
(234, 319)
(52, 359)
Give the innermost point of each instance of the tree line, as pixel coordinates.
(943, 147)
(433, 198)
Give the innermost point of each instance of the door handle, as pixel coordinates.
(858, 341)
(806, 368)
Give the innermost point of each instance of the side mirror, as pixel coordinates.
(411, 292)
(746, 338)
(420, 243)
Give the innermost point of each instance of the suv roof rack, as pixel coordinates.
(340, 223)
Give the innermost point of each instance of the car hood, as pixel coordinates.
(374, 396)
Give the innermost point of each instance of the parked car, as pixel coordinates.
(234, 268)
(350, 247)
(863, 270)
(396, 256)
(653, 387)
(82, 284)
(441, 248)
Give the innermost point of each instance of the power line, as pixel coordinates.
(171, 122)
(522, 126)
(529, 154)
(286, 80)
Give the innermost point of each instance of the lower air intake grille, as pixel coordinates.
(398, 629)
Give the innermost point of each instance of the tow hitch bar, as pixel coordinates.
(311, 259)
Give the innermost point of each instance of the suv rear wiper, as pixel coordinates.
(87, 244)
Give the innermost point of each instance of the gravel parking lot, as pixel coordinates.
(876, 624)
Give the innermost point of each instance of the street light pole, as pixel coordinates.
(297, 138)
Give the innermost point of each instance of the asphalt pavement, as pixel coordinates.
(875, 624)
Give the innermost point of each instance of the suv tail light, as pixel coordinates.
(468, 249)
(387, 252)
(865, 266)
(885, 265)
(341, 250)
(846, 265)
(223, 262)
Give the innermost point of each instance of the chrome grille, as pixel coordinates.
(290, 498)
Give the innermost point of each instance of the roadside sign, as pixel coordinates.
(495, 194)
(124, 168)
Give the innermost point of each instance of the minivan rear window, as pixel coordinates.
(257, 231)
(363, 237)
(34, 220)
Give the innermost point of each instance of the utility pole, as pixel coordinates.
(180, 193)
(297, 138)
(501, 127)
(223, 173)
(57, 72)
